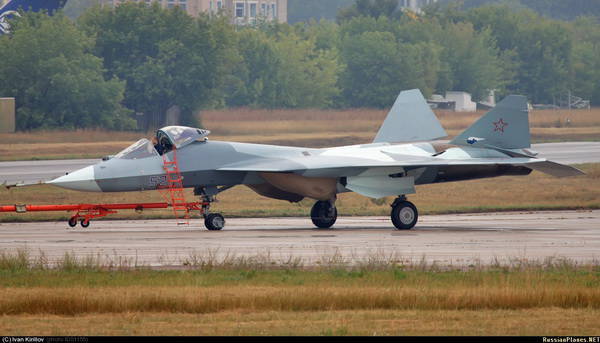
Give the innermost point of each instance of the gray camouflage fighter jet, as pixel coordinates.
(403, 154)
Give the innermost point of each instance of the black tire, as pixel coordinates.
(84, 223)
(72, 221)
(214, 222)
(323, 214)
(404, 215)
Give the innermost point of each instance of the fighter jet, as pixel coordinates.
(404, 153)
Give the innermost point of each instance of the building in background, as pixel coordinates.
(7, 115)
(455, 101)
(242, 12)
(415, 5)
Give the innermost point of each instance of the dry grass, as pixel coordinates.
(66, 136)
(61, 150)
(529, 322)
(502, 193)
(85, 286)
(84, 300)
(310, 128)
(82, 297)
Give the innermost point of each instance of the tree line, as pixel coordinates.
(109, 64)
(557, 9)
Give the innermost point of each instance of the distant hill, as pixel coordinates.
(557, 9)
(304, 10)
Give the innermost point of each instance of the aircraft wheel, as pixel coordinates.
(72, 221)
(404, 215)
(85, 223)
(323, 214)
(214, 221)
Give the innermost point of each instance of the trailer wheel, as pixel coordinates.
(72, 221)
(85, 223)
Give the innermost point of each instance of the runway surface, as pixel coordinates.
(456, 240)
(34, 171)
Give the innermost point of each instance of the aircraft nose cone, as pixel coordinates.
(80, 180)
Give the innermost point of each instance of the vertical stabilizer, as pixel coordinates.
(410, 119)
(506, 126)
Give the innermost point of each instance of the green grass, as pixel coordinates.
(24, 269)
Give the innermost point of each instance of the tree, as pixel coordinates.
(473, 63)
(284, 66)
(557, 9)
(585, 62)
(541, 49)
(370, 8)
(378, 68)
(47, 66)
(306, 10)
(308, 76)
(74, 8)
(166, 57)
(254, 79)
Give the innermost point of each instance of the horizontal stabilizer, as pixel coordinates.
(555, 169)
(410, 120)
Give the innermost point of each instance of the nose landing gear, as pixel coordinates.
(212, 221)
(404, 214)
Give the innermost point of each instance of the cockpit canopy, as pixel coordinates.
(140, 149)
(181, 136)
(167, 137)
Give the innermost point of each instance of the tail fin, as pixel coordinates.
(12, 8)
(410, 119)
(506, 126)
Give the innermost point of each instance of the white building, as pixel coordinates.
(462, 101)
(415, 5)
(240, 11)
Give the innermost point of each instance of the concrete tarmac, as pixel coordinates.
(457, 240)
(36, 171)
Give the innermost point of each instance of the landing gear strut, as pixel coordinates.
(323, 214)
(404, 214)
(212, 221)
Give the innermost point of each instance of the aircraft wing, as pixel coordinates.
(375, 178)
(338, 166)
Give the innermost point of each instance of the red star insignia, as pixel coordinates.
(499, 125)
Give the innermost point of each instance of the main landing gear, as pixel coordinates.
(323, 214)
(404, 213)
(212, 221)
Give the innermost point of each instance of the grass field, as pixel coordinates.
(86, 298)
(310, 128)
(497, 194)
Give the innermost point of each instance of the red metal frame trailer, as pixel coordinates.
(86, 212)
